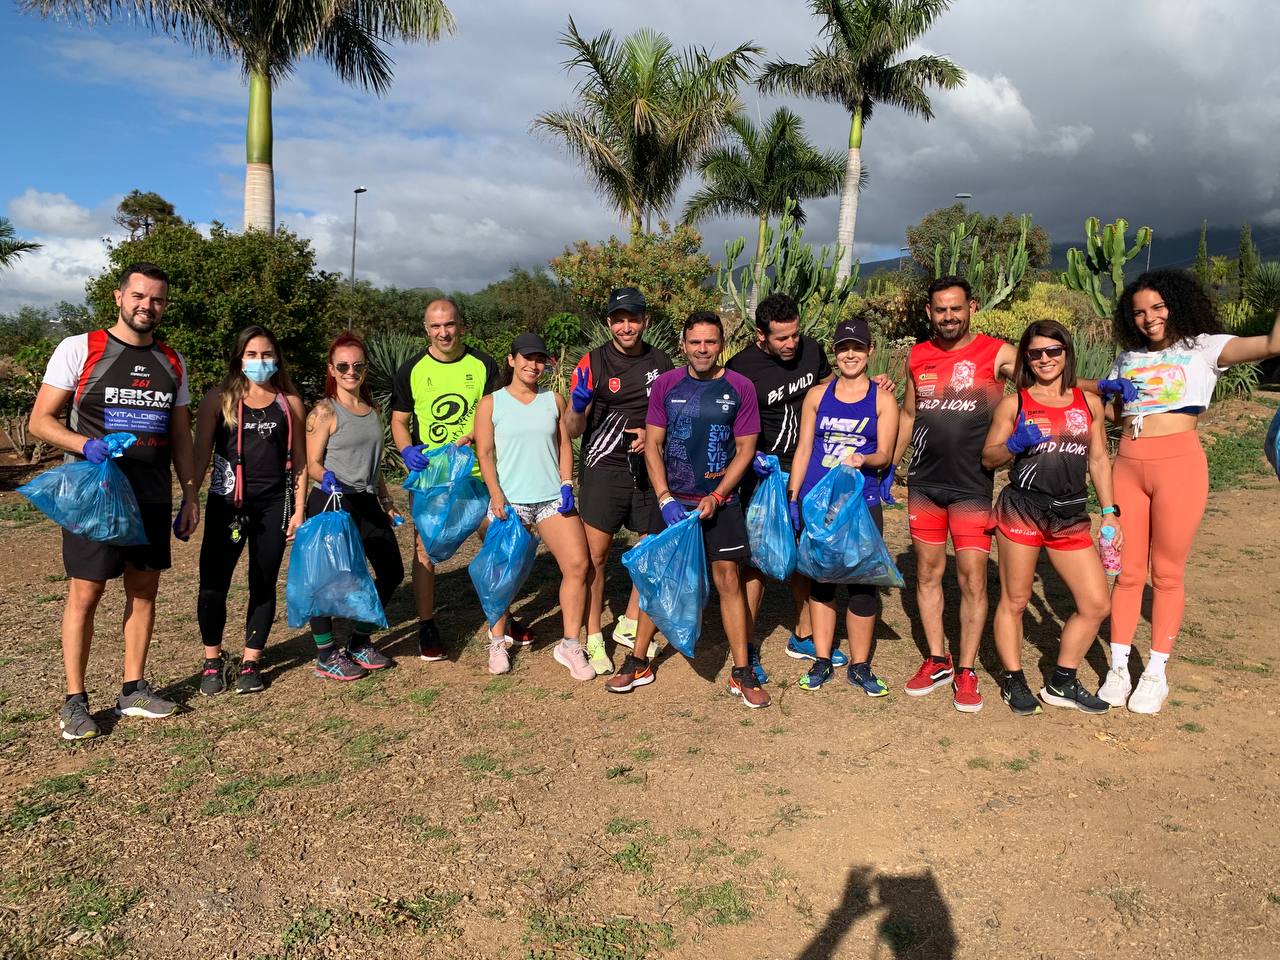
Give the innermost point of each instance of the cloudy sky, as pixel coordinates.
(1162, 111)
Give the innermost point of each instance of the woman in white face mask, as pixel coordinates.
(252, 426)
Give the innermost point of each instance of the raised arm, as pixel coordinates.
(1245, 349)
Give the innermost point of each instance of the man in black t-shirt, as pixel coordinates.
(607, 406)
(783, 364)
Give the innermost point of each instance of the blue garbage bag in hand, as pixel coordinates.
(669, 571)
(769, 532)
(503, 564)
(328, 575)
(1272, 446)
(93, 500)
(448, 501)
(840, 542)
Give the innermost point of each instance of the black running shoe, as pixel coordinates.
(213, 676)
(250, 680)
(430, 646)
(1015, 692)
(1074, 696)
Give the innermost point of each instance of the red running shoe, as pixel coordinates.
(965, 695)
(931, 675)
(520, 634)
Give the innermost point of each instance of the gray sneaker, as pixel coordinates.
(213, 676)
(75, 722)
(249, 680)
(145, 702)
(366, 654)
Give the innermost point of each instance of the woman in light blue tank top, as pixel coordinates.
(526, 459)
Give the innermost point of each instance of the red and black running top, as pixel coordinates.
(622, 384)
(956, 396)
(1057, 466)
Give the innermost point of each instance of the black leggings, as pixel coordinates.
(864, 600)
(262, 527)
(380, 546)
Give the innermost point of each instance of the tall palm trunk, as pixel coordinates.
(259, 180)
(849, 197)
(757, 278)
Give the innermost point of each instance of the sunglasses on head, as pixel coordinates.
(343, 366)
(1035, 353)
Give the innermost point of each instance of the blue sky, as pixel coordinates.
(1162, 111)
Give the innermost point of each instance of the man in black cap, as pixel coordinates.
(607, 406)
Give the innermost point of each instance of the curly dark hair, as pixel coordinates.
(775, 308)
(1191, 311)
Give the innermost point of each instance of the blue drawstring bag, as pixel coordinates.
(773, 542)
(669, 571)
(448, 502)
(1272, 446)
(840, 542)
(93, 500)
(503, 564)
(328, 576)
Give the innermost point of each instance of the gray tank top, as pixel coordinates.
(354, 451)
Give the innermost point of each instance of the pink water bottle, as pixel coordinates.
(1108, 550)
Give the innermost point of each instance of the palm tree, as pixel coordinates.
(756, 176)
(268, 40)
(11, 247)
(644, 114)
(858, 69)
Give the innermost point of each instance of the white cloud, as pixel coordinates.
(1142, 140)
(57, 271)
(53, 213)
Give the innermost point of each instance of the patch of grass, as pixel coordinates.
(634, 858)
(620, 770)
(1198, 661)
(364, 688)
(1173, 827)
(944, 742)
(428, 912)
(716, 848)
(786, 818)
(306, 930)
(745, 768)
(19, 716)
(1191, 728)
(239, 797)
(480, 761)
(721, 905)
(643, 754)
(978, 763)
(620, 825)
(748, 856)
(1236, 457)
(47, 597)
(333, 724)
(55, 578)
(496, 688)
(552, 936)
(1017, 765)
(365, 749)
(424, 699)
(44, 798)
(19, 513)
(1273, 898)
(93, 903)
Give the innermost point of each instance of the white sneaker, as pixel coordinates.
(499, 659)
(1115, 689)
(569, 653)
(1150, 694)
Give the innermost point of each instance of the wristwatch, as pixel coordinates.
(1113, 509)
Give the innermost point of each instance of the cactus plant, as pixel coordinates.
(993, 282)
(1104, 256)
(790, 266)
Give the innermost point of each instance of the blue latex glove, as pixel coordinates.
(796, 523)
(1126, 389)
(177, 520)
(414, 457)
(1025, 436)
(761, 465)
(566, 498)
(582, 393)
(96, 451)
(673, 512)
(886, 485)
(329, 484)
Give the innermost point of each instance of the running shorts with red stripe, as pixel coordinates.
(933, 512)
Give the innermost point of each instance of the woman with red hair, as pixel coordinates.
(344, 455)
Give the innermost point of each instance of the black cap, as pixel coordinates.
(854, 329)
(527, 344)
(625, 298)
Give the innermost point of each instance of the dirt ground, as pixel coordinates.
(435, 811)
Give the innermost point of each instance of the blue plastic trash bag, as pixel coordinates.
(669, 571)
(448, 502)
(503, 564)
(1272, 447)
(773, 542)
(840, 542)
(328, 575)
(93, 500)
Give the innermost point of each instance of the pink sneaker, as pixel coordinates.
(569, 653)
(499, 660)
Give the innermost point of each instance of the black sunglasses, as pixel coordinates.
(342, 366)
(1035, 353)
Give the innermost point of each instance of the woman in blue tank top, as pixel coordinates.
(846, 420)
(526, 459)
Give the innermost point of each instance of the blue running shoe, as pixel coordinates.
(860, 675)
(818, 674)
(753, 659)
(804, 649)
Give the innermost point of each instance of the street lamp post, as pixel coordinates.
(355, 217)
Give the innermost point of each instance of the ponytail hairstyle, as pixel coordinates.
(235, 383)
(347, 339)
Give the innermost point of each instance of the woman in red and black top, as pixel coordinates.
(1053, 434)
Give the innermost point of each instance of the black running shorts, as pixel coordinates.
(608, 500)
(93, 560)
(724, 536)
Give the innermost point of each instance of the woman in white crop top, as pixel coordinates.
(1174, 352)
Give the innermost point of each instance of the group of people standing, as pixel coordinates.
(658, 442)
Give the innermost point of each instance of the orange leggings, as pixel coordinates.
(1161, 485)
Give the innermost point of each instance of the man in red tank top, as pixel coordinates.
(953, 386)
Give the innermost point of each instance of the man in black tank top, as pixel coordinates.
(121, 380)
